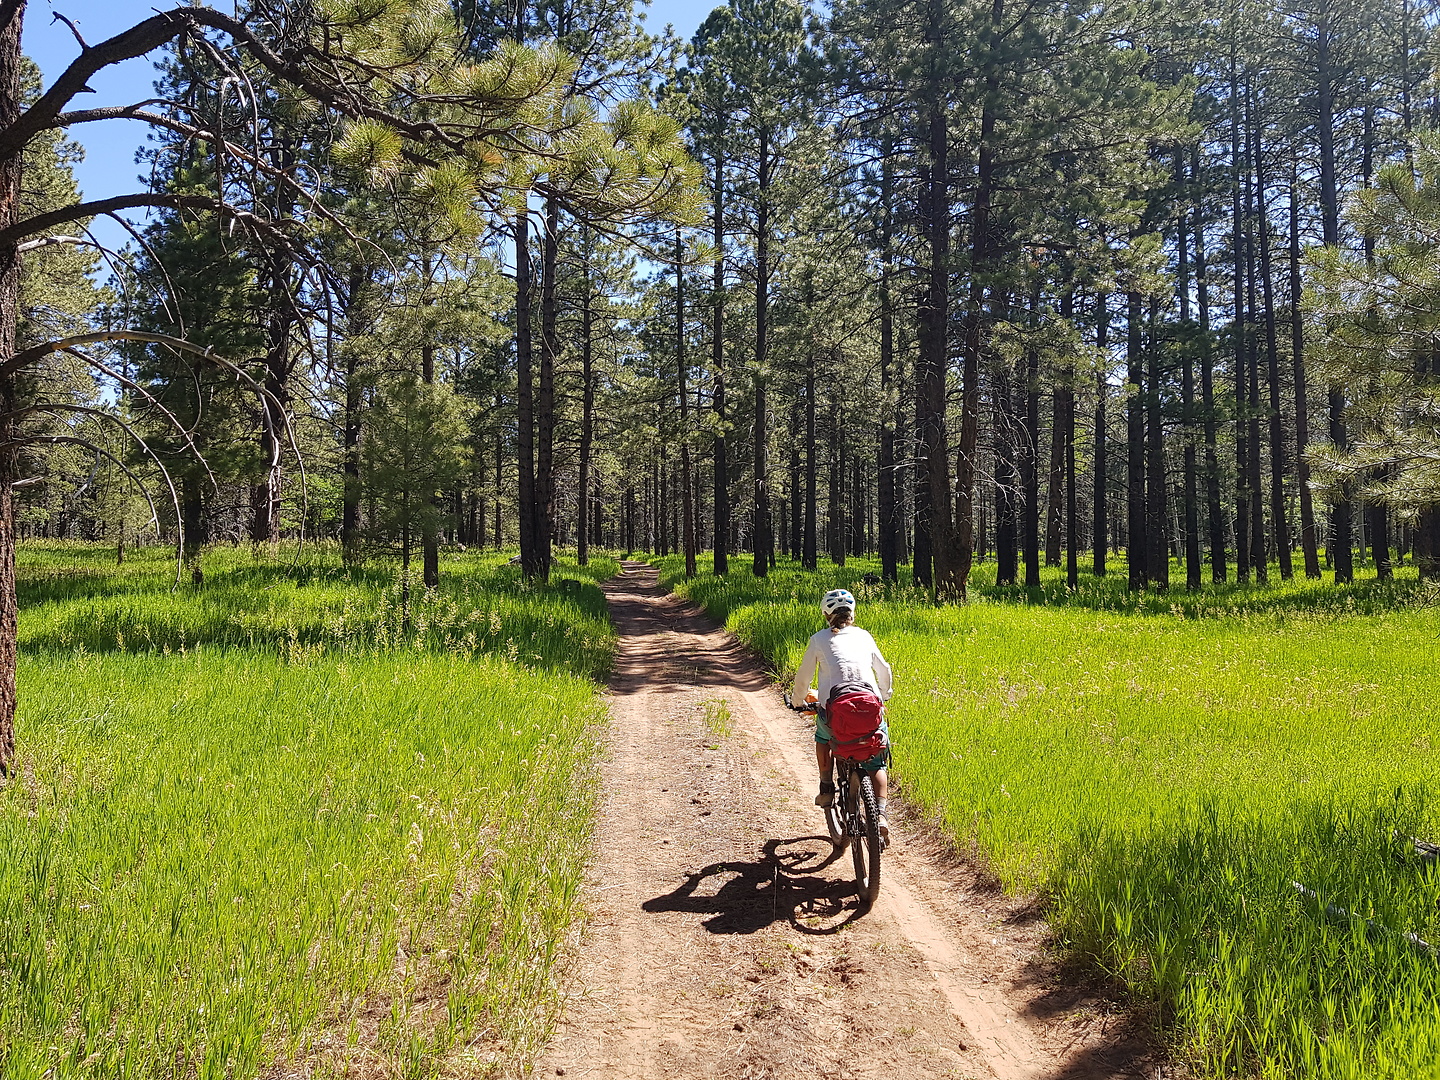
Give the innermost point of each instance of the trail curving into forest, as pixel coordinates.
(724, 940)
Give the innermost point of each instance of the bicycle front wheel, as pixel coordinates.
(865, 848)
(835, 822)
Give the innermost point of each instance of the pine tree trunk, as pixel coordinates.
(545, 398)
(1377, 519)
(280, 320)
(1100, 540)
(351, 421)
(429, 536)
(499, 481)
(721, 478)
(955, 580)
(629, 520)
(1157, 531)
(809, 544)
(762, 537)
(12, 16)
(686, 498)
(1030, 457)
(1190, 494)
(1065, 434)
(922, 566)
(525, 403)
(1215, 517)
(933, 318)
(1135, 546)
(1240, 332)
(1055, 481)
(794, 543)
(1341, 534)
(1259, 560)
(889, 524)
(1072, 504)
(1006, 477)
(1279, 516)
(583, 523)
(836, 530)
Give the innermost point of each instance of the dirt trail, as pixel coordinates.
(724, 939)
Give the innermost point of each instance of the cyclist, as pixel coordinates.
(844, 655)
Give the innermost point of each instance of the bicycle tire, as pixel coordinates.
(865, 848)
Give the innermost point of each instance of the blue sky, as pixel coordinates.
(109, 167)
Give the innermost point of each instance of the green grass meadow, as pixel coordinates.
(1165, 769)
(261, 825)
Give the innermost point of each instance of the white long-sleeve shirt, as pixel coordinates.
(848, 655)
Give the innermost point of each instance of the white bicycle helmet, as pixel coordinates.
(836, 599)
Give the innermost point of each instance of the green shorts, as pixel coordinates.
(874, 764)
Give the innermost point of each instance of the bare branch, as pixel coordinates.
(75, 440)
(57, 17)
(78, 211)
(52, 241)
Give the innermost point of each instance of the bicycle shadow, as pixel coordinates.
(784, 885)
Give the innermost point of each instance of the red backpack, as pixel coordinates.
(854, 714)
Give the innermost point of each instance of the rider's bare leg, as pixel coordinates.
(825, 760)
(882, 789)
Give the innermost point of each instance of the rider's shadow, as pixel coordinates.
(783, 885)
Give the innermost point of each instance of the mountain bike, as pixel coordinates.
(853, 818)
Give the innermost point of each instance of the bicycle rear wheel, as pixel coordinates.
(865, 848)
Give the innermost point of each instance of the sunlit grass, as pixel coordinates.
(483, 605)
(225, 855)
(1165, 769)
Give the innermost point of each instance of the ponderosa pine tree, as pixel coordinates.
(1375, 343)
